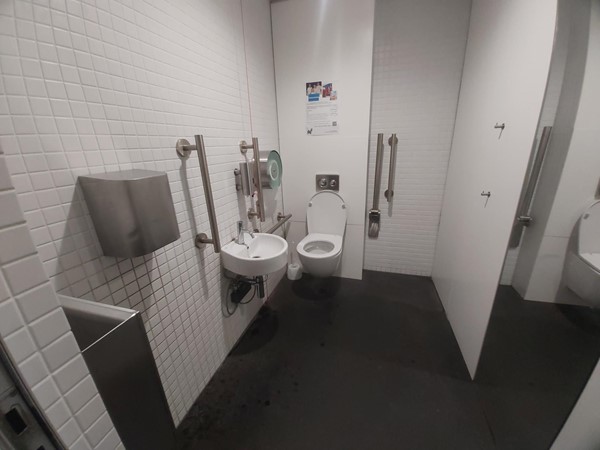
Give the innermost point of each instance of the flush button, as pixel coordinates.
(327, 182)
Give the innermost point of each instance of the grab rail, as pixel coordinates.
(260, 206)
(184, 148)
(374, 213)
(389, 193)
(281, 219)
(523, 219)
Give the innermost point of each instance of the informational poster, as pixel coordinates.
(321, 109)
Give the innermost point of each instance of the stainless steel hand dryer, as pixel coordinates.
(132, 211)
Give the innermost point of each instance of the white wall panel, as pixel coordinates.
(504, 79)
(327, 41)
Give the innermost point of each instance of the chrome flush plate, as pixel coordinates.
(327, 182)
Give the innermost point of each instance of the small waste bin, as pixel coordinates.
(115, 347)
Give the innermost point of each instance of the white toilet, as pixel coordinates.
(582, 264)
(321, 250)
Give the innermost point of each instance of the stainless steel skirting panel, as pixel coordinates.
(116, 349)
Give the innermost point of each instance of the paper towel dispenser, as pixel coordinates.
(132, 211)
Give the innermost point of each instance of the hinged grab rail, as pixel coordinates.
(374, 213)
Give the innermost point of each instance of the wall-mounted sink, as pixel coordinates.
(262, 254)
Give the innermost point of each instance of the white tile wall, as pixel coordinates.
(34, 330)
(417, 67)
(109, 85)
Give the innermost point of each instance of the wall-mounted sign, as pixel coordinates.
(321, 109)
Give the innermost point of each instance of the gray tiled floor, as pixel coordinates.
(535, 360)
(345, 364)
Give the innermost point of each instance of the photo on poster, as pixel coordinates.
(313, 91)
(321, 108)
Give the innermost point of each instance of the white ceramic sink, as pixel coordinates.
(263, 254)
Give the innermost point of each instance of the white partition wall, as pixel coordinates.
(504, 79)
(328, 41)
(570, 177)
(581, 430)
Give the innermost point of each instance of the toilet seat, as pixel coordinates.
(582, 262)
(591, 259)
(583, 279)
(320, 251)
(326, 213)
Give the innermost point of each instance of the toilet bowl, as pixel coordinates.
(582, 264)
(320, 251)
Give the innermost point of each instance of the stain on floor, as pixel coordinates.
(347, 364)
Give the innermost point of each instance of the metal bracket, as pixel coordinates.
(487, 194)
(500, 127)
(525, 220)
(244, 147)
(184, 148)
(201, 240)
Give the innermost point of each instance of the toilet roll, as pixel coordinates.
(294, 271)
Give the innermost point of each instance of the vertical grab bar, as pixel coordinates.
(260, 206)
(202, 238)
(523, 218)
(258, 181)
(378, 170)
(374, 213)
(389, 193)
(184, 149)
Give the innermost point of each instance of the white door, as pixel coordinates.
(506, 69)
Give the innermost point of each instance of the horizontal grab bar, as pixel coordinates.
(281, 219)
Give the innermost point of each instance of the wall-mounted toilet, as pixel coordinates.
(582, 264)
(321, 250)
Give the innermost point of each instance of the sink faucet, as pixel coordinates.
(241, 233)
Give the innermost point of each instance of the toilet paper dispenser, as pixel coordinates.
(271, 170)
(132, 211)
